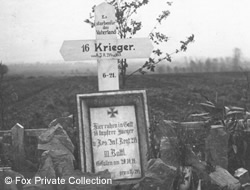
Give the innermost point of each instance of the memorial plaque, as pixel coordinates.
(115, 141)
(113, 132)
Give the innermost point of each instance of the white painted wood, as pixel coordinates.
(108, 75)
(106, 49)
(125, 49)
(105, 26)
(105, 22)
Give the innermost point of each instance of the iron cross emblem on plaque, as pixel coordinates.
(112, 112)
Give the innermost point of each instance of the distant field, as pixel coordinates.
(173, 96)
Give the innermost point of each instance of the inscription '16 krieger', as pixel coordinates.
(100, 47)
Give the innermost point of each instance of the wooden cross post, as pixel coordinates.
(105, 26)
(106, 49)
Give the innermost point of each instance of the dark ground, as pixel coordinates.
(170, 97)
(174, 96)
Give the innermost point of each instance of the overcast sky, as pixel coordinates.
(33, 30)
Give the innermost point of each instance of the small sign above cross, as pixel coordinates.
(106, 49)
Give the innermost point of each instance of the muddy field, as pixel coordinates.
(172, 96)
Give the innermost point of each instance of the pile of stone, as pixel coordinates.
(57, 162)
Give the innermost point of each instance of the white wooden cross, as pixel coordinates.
(106, 48)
